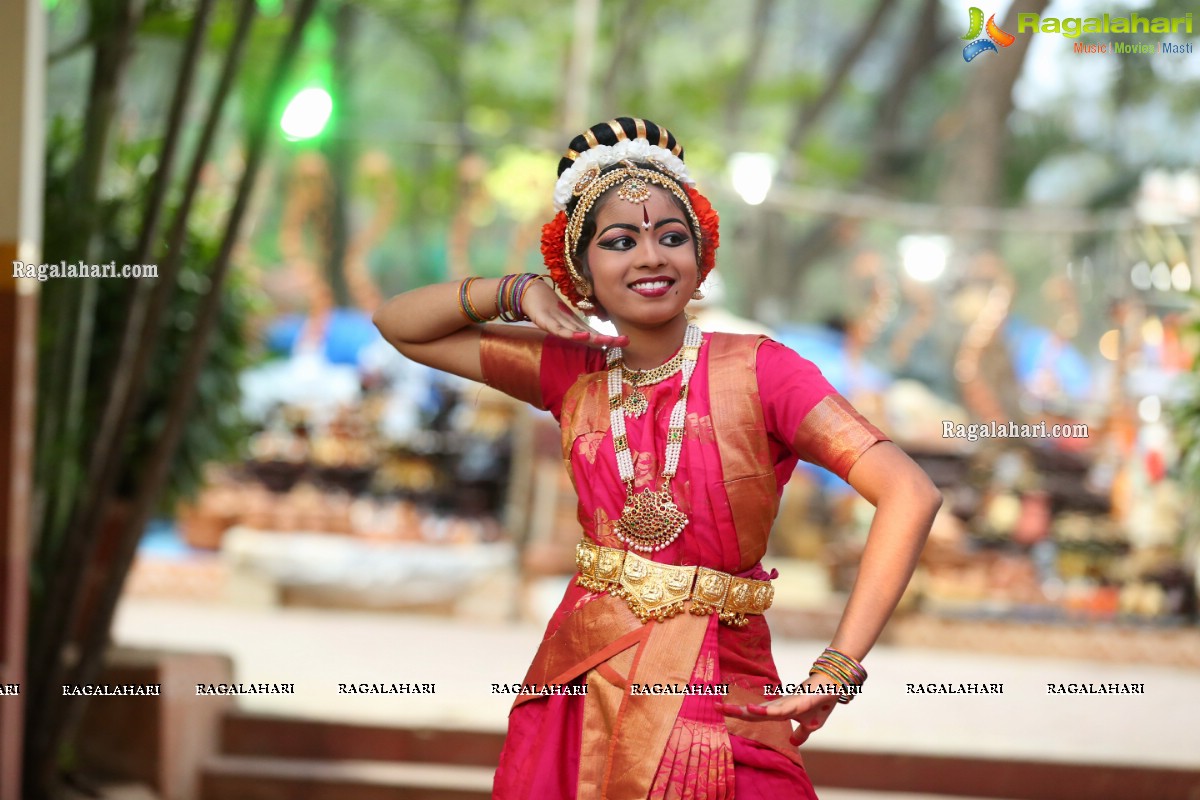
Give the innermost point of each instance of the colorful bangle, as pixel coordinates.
(500, 289)
(502, 300)
(509, 295)
(840, 677)
(464, 302)
(846, 662)
(845, 695)
(520, 289)
(844, 670)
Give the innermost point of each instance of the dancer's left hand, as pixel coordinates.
(809, 710)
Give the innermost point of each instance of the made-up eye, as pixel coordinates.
(619, 243)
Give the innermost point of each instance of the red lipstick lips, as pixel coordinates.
(652, 287)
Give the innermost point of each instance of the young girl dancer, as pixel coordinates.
(679, 444)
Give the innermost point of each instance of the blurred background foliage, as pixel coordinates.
(469, 101)
(427, 82)
(215, 430)
(451, 114)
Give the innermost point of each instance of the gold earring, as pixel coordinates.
(697, 295)
(585, 291)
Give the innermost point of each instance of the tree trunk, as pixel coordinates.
(628, 36)
(808, 115)
(889, 153)
(971, 176)
(735, 102)
(111, 27)
(576, 89)
(821, 237)
(339, 151)
(471, 167)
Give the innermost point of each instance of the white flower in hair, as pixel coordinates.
(605, 155)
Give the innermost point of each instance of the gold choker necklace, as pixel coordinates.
(635, 403)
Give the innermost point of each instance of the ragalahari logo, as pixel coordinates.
(982, 44)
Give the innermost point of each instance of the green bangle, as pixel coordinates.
(464, 302)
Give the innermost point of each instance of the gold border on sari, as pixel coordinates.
(740, 431)
(643, 723)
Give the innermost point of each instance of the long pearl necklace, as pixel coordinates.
(650, 520)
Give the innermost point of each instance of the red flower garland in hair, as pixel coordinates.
(710, 230)
(554, 233)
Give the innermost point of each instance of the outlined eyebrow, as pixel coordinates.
(622, 225)
(635, 228)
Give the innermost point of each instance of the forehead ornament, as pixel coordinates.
(634, 190)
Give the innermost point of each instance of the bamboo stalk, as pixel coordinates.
(125, 389)
(154, 475)
(113, 26)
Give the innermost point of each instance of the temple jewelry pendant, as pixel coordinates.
(651, 520)
(635, 403)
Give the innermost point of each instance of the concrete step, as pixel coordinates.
(277, 752)
(246, 734)
(261, 778)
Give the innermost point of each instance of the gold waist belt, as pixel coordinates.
(658, 591)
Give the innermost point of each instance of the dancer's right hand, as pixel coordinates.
(548, 312)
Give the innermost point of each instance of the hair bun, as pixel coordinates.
(617, 130)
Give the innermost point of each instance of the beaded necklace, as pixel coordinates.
(650, 520)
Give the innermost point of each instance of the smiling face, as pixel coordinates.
(642, 260)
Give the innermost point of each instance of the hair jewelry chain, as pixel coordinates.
(650, 520)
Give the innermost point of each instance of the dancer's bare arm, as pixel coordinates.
(905, 501)
(428, 326)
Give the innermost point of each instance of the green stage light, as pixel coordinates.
(307, 114)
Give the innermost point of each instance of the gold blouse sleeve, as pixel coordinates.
(834, 435)
(511, 361)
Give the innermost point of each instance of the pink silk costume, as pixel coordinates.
(772, 408)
